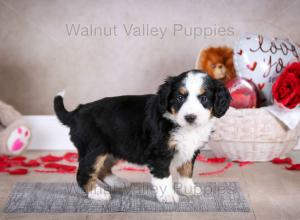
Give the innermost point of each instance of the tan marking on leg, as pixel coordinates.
(98, 165)
(186, 169)
(109, 162)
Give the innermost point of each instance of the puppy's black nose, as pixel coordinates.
(190, 118)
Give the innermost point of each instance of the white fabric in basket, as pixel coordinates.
(290, 117)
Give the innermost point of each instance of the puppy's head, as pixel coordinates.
(193, 98)
(218, 62)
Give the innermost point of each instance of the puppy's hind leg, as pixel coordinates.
(87, 174)
(106, 175)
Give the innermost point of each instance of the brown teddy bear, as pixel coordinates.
(217, 62)
(14, 133)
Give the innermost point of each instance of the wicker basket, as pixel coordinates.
(252, 135)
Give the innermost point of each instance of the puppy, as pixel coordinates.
(218, 63)
(157, 130)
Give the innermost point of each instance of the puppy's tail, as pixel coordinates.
(62, 114)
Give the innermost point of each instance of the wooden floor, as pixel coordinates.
(272, 192)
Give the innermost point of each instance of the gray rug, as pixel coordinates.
(139, 197)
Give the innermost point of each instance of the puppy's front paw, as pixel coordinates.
(116, 182)
(187, 187)
(164, 189)
(99, 194)
(168, 197)
(191, 191)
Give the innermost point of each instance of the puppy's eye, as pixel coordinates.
(180, 98)
(213, 66)
(203, 99)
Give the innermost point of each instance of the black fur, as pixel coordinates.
(129, 127)
(218, 97)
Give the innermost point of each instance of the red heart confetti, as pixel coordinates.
(252, 67)
(261, 85)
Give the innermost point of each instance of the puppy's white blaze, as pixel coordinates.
(61, 93)
(194, 82)
(163, 188)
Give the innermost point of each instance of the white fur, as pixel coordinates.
(99, 194)
(62, 93)
(187, 187)
(115, 181)
(188, 139)
(164, 189)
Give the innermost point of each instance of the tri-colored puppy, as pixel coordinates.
(158, 130)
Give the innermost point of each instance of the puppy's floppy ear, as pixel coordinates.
(163, 94)
(222, 99)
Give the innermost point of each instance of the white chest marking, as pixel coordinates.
(188, 140)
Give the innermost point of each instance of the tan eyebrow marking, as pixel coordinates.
(202, 90)
(183, 90)
(173, 111)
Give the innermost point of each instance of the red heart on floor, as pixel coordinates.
(240, 52)
(252, 67)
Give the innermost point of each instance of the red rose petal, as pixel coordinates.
(202, 158)
(59, 166)
(18, 158)
(286, 160)
(4, 164)
(228, 165)
(20, 171)
(4, 158)
(293, 167)
(51, 158)
(71, 157)
(31, 163)
(216, 160)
